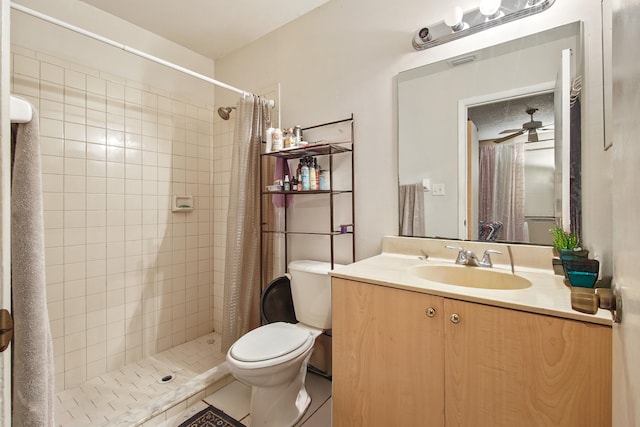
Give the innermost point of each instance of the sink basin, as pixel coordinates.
(472, 277)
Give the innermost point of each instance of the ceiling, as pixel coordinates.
(491, 119)
(212, 28)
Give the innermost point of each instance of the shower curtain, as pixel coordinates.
(501, 189)
(241, 311)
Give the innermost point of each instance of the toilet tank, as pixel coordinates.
(311, 292)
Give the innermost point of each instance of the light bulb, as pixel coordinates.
(453, 19)
(490, 8)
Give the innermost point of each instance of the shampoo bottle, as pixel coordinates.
(313, 177)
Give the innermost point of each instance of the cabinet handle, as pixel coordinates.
(431, 312)
(455, 318)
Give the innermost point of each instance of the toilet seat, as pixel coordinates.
(270, 345)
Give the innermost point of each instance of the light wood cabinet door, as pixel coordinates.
(510, 368)
(387, 357)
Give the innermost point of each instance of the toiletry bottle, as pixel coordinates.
(294, 184)
(305, 176)
(276, 140)
(297, 132)
(287, 183)
(292, 138)
(313, 182)
(269, 141)
(325, 182)
(299, 173)
(317, 168)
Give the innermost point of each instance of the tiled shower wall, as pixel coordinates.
(126, 277)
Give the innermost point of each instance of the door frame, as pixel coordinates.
(5, 203)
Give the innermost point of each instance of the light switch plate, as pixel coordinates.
(437, 190)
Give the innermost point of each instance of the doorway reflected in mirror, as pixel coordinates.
(513, 199)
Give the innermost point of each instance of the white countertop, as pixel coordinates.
(548, 294)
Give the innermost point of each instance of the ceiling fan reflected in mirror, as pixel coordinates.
(532, 127)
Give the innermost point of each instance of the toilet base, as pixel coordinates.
(283, 405)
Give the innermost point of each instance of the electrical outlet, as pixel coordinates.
(437, 190)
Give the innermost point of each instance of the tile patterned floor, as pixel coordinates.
(234, 399)
(136, 393)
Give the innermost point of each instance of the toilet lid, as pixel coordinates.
(268, 342)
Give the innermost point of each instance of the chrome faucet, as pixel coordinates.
(467, 257)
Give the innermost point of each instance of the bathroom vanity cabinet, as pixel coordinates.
(412, 359)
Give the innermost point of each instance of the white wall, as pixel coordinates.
(347, 55)
(539, 175)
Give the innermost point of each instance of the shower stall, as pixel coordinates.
(130, 283)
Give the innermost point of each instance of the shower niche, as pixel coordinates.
(309, 224)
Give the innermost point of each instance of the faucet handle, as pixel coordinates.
(462, 258)
(486, 257)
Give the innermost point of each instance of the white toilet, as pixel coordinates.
(273, 358)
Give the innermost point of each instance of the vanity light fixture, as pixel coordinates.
(490, 13)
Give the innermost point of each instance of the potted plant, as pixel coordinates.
(565, 244)
(563, 241)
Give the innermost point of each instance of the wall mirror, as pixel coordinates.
(489, 141)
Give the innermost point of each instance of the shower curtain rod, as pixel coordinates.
(130, 50)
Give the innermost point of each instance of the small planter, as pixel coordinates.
(577, 252)
(564, 255)
(557, 267)
(581, 272)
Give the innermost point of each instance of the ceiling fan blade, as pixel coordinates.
(510, 131)
(508, 137)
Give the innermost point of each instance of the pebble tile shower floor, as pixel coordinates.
(136, 392)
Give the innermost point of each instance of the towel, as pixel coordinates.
(33, 373)
(412, 210)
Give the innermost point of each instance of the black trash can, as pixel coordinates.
(276, 302)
